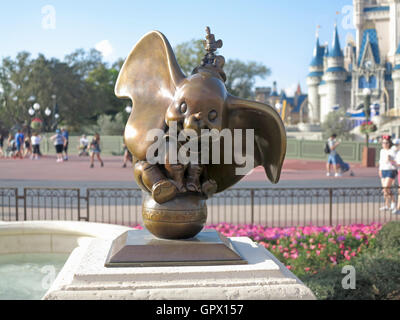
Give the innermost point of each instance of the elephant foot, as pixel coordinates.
(209, 187)
(164, 191)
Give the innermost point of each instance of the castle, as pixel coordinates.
(290, 108)
(338, 78)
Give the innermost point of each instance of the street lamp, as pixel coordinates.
(128, 109)
(47, 112)
(31, 111)
(367, 102)
(36, 106)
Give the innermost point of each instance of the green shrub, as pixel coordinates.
(377, 278)
(389, 236)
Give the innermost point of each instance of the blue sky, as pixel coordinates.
(278, 33)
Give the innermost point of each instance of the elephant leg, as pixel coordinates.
(193, 177)
(152, 179)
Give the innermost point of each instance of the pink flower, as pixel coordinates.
(307, 269)
(318, 252)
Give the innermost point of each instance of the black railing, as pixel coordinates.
(271, 207)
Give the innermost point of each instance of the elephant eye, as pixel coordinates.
(212, 115)
(183, 107)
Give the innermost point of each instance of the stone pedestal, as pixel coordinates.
(85, 276)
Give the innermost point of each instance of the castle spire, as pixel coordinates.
(336, 50)
(318, 54)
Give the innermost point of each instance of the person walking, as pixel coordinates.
(19, 143)
(387, 173)
(28, 147)
(59, 142)
(1, 145)
(35, 139)
(11, 146)
(333, 160)
(127, 155)
(65, 134)
(95, 150)
(396, 151)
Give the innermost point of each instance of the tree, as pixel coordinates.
(107, 125)
(240, 75)
(337, 122)
(83, 86)
(189, 55)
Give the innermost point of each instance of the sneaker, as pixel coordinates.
(328, 174)
(124, 166)
(92, 165)
(102, 164)
(395, 211)
(384, 208)
(393, 206)
(338, 174)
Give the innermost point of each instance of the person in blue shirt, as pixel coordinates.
(19, 143)
(65, 134)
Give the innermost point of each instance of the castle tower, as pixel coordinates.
(358, 20)
(335, 77)
(313, 80)
(394, 26)
(396, 79)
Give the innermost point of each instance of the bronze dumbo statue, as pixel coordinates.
(164, 98)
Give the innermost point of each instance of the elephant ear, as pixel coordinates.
(148, 77)
(269, 133)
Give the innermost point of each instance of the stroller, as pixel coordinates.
(11, 149)
(344, 166)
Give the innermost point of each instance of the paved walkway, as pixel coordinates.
(280, 210)
(76, 170)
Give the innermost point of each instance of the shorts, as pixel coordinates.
(18, 147)
(36, 149)
(389, 174)
(59, 148)
(333, 159)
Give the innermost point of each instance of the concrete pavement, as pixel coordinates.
(76, 173)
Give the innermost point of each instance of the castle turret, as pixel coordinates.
(313, 80)
(396, 78)
(335, 77)
(358, 20)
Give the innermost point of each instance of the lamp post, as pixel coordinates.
(367, 103)
(368, 153)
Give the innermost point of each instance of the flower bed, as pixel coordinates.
(310, 249)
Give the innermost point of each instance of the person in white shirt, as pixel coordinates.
(387, 173)
(333, 160)
(396, 150)
(35, 139)
(83, 145)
